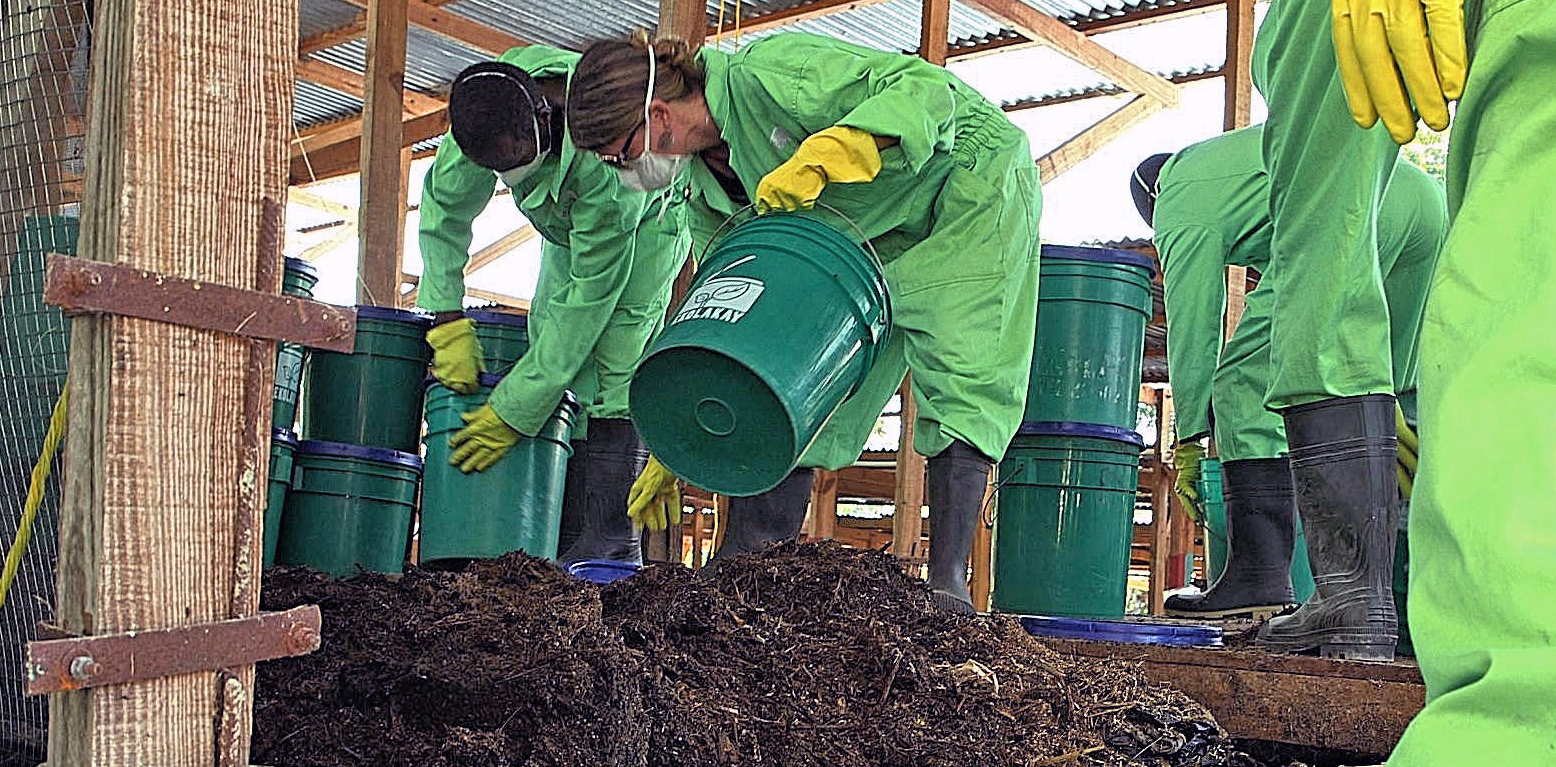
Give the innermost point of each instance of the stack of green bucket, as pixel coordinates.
(504, 337)
(356, 473)
(297, 279)
(1067, 483)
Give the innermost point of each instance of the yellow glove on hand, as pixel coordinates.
(1385, 48)
(655, 498)
(485, 438)
(1408, 452)
(456, 355)
(838, 154)
(1187, 457)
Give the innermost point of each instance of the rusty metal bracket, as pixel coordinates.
(79, 286)
(58, 665)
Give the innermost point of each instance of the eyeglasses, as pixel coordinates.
(620, 159)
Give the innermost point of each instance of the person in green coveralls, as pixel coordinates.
(1209, 206)
(936, 176)
(1482, 547)
(609, 257)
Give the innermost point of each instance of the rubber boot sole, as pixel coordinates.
(1339, 645)
(1257, 612)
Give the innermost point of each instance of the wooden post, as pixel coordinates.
(935, 32)
(907, 522)
(983, 554)
(1161, 508)
(381, 247)
(164, 480)
(685, 19)
(823, 506)
(1239, 54)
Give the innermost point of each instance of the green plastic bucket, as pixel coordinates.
(504, 338)
(348, 506)
(1213, 494)
(1065, 520)
(783, 321)
(373, 395)
(297, 279)
(283, 448)
(514, 505)
(1092, 311)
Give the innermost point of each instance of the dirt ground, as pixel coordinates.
(802, 655)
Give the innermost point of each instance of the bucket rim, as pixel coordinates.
(491, 317)
(568, 400)
(408, 316)
(607, 569)
(285, 436)
(1132, 632)
(360, 452)
(1100, 255)
(1078, 429)
(299, 266)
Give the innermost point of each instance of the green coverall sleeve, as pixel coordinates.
(455, 191)
(893, 96)
(602, 246)
(1194, 287)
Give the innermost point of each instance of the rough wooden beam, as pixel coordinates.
(341, 157)
(685, 19)
(1038, 25)
(935, 31)
(1087, 142)
(381, 246)
(1161, 494)
(1239, 54)
(907, 521)
(345, 33)
(1094, 93)
(162, 527)
(982, 581)
(503, 246)
(310, 200)
(1016, 41)
(336, 239)
(795, 15)
(823, 506)
(452, 26)
(354, 84)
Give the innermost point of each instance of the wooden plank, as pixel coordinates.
(982, 581)
(907, 521)
(1096, 93)
(381, 246)
(1355, 706)
(823, 506)
(1161, 494)
(1037, 25)
(684, 19)
(935, 31)
(1236, 298)
(1127, 20)
(308, 199)
(794, 15)
(312, 165)
(336, 239)
(868, 483)
(169, 426)
(1239, 55)
(488, 255)
(1099, 134)
(452, 26)
(354, 84)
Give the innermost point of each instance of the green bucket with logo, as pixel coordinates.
(783, 321)
(349, 506)
(515, 505)
(1092, 310)
(371, 396)
(1065, 521)
(504, 337)
(297, 279)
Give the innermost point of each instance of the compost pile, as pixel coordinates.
(801, 655)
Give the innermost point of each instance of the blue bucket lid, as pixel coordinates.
(1075, 429)
(1103, 255)
(488, 317)
(393, 315)
(361, 452)
(284, 436)
(1176, 635)
(302, 267)
(602, 570)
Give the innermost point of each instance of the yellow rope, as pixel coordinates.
(40, 473)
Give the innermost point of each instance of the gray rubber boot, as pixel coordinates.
(613, 457)
(1342, 465)
(1260, 532)
(958, 479)
(757, 521)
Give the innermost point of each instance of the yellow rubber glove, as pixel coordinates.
(485, 439)
(838, 154)
(1187, 457)
(456, 355)
(1388, 48)
(1408, 452)
(655, 498)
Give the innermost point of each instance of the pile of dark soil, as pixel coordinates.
(802, 655)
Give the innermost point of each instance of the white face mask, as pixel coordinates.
(650, 171)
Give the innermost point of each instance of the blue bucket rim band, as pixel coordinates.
(1123, 631)
(1077, 429)
(619, 569)
(284, 436)
(1101, 255)
(300, 266)
(362, 452)
(490, 317)
(392, 314)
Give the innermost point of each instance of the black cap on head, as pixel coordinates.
(494, 112)
(1143, 184)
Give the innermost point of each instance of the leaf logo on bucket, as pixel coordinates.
(723, 298)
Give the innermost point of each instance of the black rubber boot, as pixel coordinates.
(1342, 465)
(613, 457)
(1260, 531)
(958, 480)
(757, 521)
(574, 496)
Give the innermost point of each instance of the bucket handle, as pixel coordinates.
(864, 239)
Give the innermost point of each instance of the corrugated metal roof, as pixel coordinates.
(315, 17)
(431, 61)
(565, 24)
(888, 26)
(314, 104)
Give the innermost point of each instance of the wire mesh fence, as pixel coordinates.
(43, 85)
